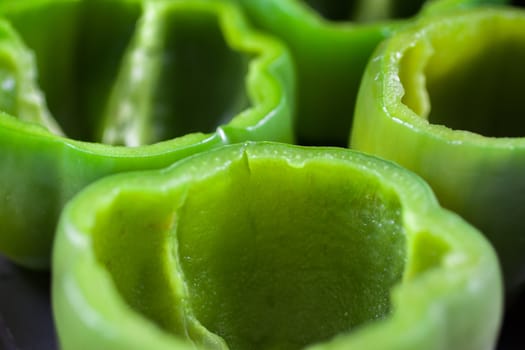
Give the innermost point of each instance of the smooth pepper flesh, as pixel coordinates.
(331, 42)
(271, 246)
(444, 98)
(120, 86)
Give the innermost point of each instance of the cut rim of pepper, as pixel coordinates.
(69, 165)
(405, 90)
(168, 281)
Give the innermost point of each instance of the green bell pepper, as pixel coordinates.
(331, 42)
(134, 86)
(443, 98)
(271, 246)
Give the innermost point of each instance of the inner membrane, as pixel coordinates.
(470, 78)
(77, 63)
(365, 10)
(8, 86)
(280, 257)
(202, 80)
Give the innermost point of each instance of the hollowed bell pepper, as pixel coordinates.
(168, 78)
(271, 246)
(444, 99)
(331, 42)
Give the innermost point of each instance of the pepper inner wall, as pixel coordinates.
(199, 85)
(277, 256)
(202, 80)
(79, 60)
(270, 255)
(471, 81)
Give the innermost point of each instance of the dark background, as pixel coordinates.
(26, 321)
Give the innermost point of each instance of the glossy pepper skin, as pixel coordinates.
(443, 98)
(268, 245)
(149, 84)
(331, 52)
